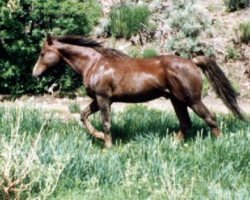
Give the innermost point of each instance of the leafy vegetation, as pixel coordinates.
(135, 52)
(245, 31)
(126, 20)
(23, 26)
(149, 52)
(187, 22)
(233, 5)
(74, 108)
(232, 52)
(145, 163)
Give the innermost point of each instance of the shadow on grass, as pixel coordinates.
(139, 120)
(135, 121)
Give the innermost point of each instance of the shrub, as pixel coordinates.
(184, 46)
(135, 52)
(148, 53)
(232, 53)
(187, 23)
(233, 5)
(74, 108)
(24, 171)
(24, 24)
(126, 20)
(245, 31)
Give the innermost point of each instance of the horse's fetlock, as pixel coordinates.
(83, 117)
(106, 126)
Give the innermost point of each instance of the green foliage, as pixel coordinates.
(135, 52)
(74, 108)
(23, 26)
(149, 53)
(182, 45)
(245, 31)
(24, 165)
(206, 87)
(233, 5)
(187, 22)
(146, 162)
(126, 20)
(232, 52)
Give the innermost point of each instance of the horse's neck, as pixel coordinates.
(79, 58)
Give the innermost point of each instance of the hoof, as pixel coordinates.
(108, 140)
(217, 133)
(179, 136)
(108, 144)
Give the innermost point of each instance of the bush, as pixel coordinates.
(187, 23)
(148, 53)
(24, 24)
(74, 108)
(245, 31)
(233, 5)
(126, 20)
(135, 52)
(25, 173)
(232, 53)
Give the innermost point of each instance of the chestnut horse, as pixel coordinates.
(111, 76)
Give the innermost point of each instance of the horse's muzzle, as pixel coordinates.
(37, 70)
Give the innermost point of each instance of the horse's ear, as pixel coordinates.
(49, 39)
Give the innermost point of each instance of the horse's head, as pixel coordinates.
(49, 57)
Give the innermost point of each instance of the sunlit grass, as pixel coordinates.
(146, 162)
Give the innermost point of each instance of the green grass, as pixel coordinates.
(74, 108)
(245, 31)
(149, 53)
(127, 20)
(232, 52)
(145, 162)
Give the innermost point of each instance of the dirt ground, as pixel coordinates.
(61, 105)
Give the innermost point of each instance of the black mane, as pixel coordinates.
(85, 42)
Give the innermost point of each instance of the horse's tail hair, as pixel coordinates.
(220, 84)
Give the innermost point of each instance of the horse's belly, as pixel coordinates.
(138, 97)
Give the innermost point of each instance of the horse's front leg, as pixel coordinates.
(105, 109)
(90, 109)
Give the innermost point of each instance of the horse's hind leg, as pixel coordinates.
(105, 109)
(183, 117)
(90, 109)
(201, 110)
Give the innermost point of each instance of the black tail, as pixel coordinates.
(220, 84)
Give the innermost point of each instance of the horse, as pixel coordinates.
(112, 76)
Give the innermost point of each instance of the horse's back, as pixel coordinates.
(145, 79)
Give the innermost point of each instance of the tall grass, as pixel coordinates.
(126, 20)
(146, 162)
(245, 31)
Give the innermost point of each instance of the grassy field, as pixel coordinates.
(145, 163)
